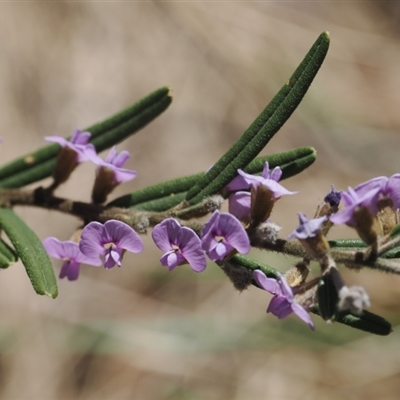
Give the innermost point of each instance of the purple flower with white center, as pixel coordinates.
(181, 245)
(222, 235)
(78, 143)
(70, 252)
(308, 227)
(109, 241)
(283, 302)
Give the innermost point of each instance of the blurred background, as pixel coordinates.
(140, 332)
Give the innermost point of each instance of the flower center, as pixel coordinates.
(219, 239)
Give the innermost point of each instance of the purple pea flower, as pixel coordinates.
(308, 228)
(245, 181)
(222, 235)
(73, 152)
(110, 174)
(78, 144)
(70, 252)
(113, 164)
(268, 179)
(109, 241)
(283, 302)
(353, 201)
(240, 202)
(181, 245)
(380, 187)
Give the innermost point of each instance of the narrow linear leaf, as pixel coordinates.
(367, 322)
(395, 231)
(31, 252)
(7, 255)
(264, 127)
(296, 161)
(40, 164)
(155, 192)
(282, 159)
(126, 129)
(328, 297)
(31, 175)
(393, 253)
(347, 243)
(253, 265)
(160, 205)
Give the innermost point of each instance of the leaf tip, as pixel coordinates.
(326, 35)
(52, 294)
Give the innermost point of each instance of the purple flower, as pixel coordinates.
(308, 227)
(283, 302)
(240, 202)
(333, 197)
(268, 179)
(245, 181)
(240, 205)
(352, 201)
(68, 251)
(113, 164)
(109, 241)
(110, 174)
(380, 187)
(78, 143)
(181, 245)
(222, 235)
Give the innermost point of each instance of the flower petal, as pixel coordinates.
(393, 190)
(240, 205)
(160, 236)
(92, 240)
(303, 314)
(279, 307)
(234, 233)
(269, 284)
(70, 269)
(190, 247)
(123, 236)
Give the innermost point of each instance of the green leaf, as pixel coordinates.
(165, 195)
(291, 162)
(395, 231)
(31, 252)
(367, 322)
(392, 253)
(155, 192)
(253, 265)
(328, 297)
(264, 127)
(160, 205)
(7, 255)
(347, 244)
(40, 164)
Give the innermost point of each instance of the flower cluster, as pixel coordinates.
(372, 208)
(77, 150)
(99, 243)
